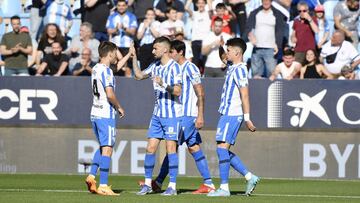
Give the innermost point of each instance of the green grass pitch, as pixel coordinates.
(71, 188)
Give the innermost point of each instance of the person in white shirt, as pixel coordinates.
(214, 67)
(342, 52)
(288, 69)
(201, 24)
(172, 25)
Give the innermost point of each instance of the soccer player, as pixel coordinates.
(105, 105)
(165, 122)
(234, 108)
(192, 98)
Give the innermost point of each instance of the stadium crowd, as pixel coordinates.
(286, 38)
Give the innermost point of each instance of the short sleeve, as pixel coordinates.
(177, 75)
(338, 10)
(107, 78)
(133, 22)
(149, 69)
(241, 78)
(194, 74)
(110, 22)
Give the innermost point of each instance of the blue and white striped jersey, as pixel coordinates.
(102, 77)
(128, 20)
(236, 77)
(59, 14)
(166, 104)
(191, 76)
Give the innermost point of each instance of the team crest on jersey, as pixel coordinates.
(171, 131)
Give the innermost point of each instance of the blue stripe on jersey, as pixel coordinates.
(103, 79)
(230, 97)
(110, 21)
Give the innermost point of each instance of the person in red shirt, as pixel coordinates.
(222, 12)
(303, 33)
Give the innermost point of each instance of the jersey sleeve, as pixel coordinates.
(149, 70)
(107, 78)
(194, 74)
(110, 22)
(176, 74)
(241, 78)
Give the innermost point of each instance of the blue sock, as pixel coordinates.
(173, 167)
(202, 166)
(95, 163)
(149, 165)
(163, 171)
(104, 169)
(237, 164)
(224, 164)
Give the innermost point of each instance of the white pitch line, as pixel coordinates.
(317, 196)
(185, 193)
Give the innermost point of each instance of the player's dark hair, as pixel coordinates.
(106, 47)
(150, 9)
(220, 6)
(237, 42)
(15, 17)
(178, 46)
(163, 40)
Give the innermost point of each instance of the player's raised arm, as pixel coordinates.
(244, 93)
(138, 74)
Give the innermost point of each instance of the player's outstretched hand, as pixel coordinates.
(250, 126)
(121, 112)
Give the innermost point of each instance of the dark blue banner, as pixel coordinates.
(66, 101)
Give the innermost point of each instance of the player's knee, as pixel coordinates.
(194, 148)
(106, 151)
(150, 149)
(171, 146)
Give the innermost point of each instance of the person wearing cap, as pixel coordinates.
(323, 35)
(346, 17)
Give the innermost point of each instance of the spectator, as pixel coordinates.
(162, 8)
(147, 32)
(84, 40)
(50, 34)
(56, 63)
(84, 67)
(239, 9)
(172, 25)
(329, 6)
(35, 17)
(15, 48)
(200, 27)
(349, 73)
(265, 19)
(223, 13)
(337, 52)
(289, 68)
(140, 8)
(96, 13)
(60, 13)
(303, 34)
(346, 17)
(214, 67)
(313, 69)
(121, 27)
(324, 30)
